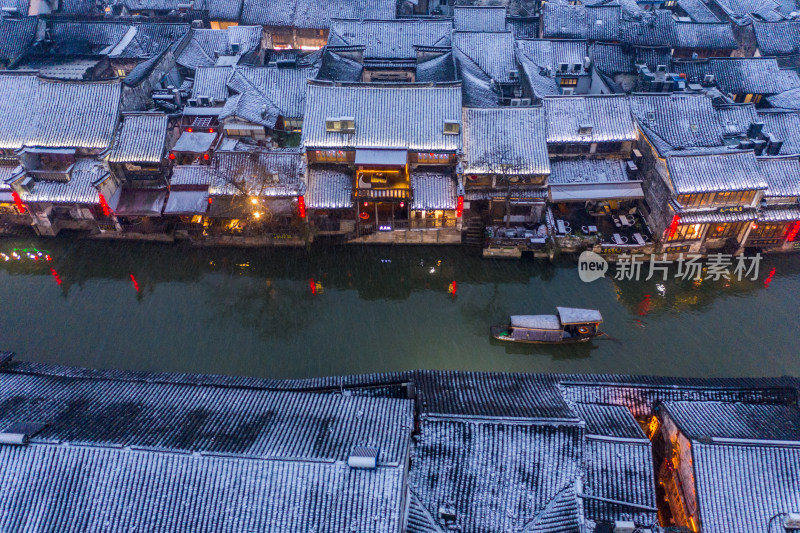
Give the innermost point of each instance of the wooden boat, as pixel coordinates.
(569, 325)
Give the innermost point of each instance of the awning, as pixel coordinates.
(140, 202)
(187, 203)
(242, 126)
(582, 192)
(194, 142)
(6, 197)
(433, 191)
(365, 156)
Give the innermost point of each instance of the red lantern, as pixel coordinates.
(104, 205)
(210, 200)
(673, 227)
(301, 206)
(18, 201)
(794, 228)
(210, 130)
(189, 130)
(205, 157)
(460, 207)
(172, 156)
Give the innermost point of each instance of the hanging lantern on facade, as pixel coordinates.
(172, 156)
(791, 234)
(460, 206)
(18, 202)
(673, 227)
(301, 206)
(104, 204)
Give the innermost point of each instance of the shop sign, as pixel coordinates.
(677, 249)
(731, 209)
(764, 242)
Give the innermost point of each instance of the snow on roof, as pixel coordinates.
(782, 175)
(741, 75)
(499, 477)
(545, 53)
(609, 117)
(57, 114)
(479, 18)
(141, 138)
(740, 421)
(191, 176)
(595, 23)
(211, 82)
(311, 14)
(206, 46)
(262, 173)
(572, 315)
(622, 59)
(785, 125)
(410, 117)
(568, 171)
(329, 187)
(491, 53)
(111, 488)
(609, 421)
(734, 171)
(432, 189)
(544, 322)
(389, 39)
(740, 488)
(84, 177)
(778, 38)
(709, 36)
(506, 137)
(16, 36)
(697, 10)
(194, 142)
(243, 423)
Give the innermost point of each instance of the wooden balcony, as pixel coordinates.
(403, 193)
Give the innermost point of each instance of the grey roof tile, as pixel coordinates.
(205, 45)
(141, 138)
(609, 116)
(778, 38)
(782, 175)
(389, 39)
(329, 187)
(410, 117)
(506, 136)
(740, 75)
(433, 189)
(81, 188)
(609, 421)
(258, 173)
(727, 420)
(697, 10)
(479, 18)
(735, 171)
(16, 36)
(785, 125)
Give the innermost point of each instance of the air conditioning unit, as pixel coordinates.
(708, 79)
(585, 129)
(661, 68)
(204, 101)
(563, 67)
(576, 67)
(235, 47)
(520, 102)
(192, 102)
(513, 75)
(567, 91)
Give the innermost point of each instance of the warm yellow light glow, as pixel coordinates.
(257, 214)
(253, 201)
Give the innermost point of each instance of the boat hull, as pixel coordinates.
(500, 333)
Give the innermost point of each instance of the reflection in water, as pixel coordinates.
(343, 310)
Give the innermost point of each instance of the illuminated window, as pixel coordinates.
(688, 232)
(769, 230)
(121, 73)
(432, 158)
(331, 156)
(723, 231)
(568, 82)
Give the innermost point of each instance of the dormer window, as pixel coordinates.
(452, 127)
(585, 129)
(340, 124)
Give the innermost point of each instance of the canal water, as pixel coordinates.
(291, 313)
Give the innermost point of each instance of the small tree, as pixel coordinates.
(505, 168)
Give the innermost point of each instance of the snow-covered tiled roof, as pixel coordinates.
(741, 421)
(206, 46)
(594, 23)
(389, 39)
(499, 477)
(433, 189)
(329, 187)
(566, 171)
(741, 488)
(479, 18)
(618, 59)
(621, 470)
(410, 117)
(512, 137)
(782, 175)
(75, 37)
(194, 176)
(85, 176)
(491, 53)
(211, 82)
(608, 116)
(697, 10)
(16, 36)
(678, 121)
(44, 113)
(778, 38)
(262, 173)
(609, 421)
(141, 138)
(546, 53)
(709, 36)
(741, 75)
(266, 93)
(734, 171)
(311, 14)
(785, 126)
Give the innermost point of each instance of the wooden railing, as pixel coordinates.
(382, 194)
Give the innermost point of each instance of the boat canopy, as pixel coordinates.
(548, 322)
(571, 315)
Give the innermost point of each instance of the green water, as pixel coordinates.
(252, 312)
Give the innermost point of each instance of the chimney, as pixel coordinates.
(755, 129)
